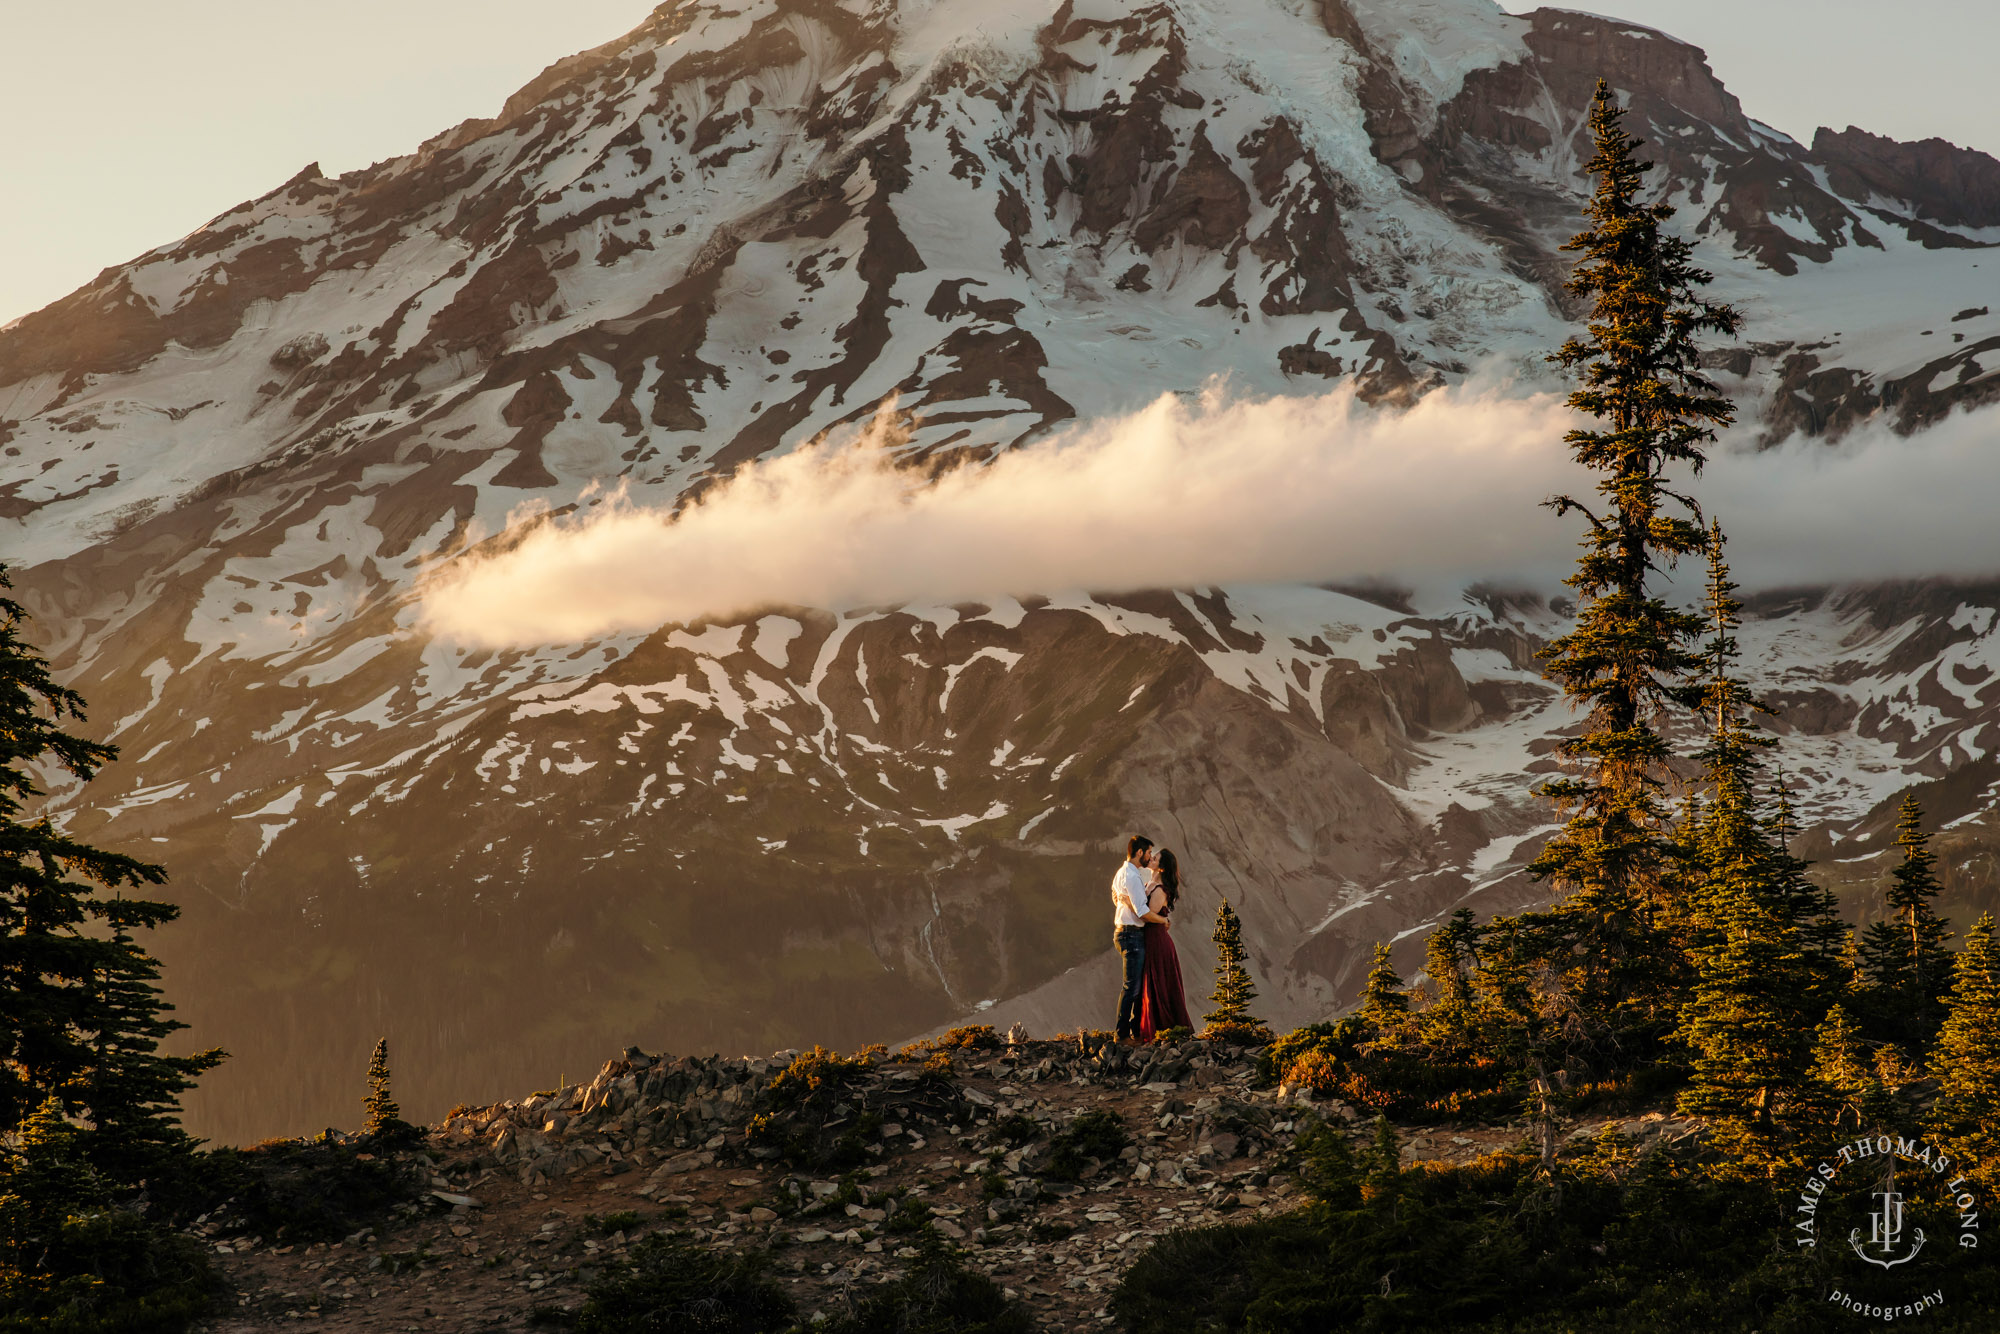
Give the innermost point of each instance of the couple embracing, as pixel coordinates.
(1144, 893)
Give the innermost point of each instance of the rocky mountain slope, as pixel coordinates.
(225, 465)
(534, 1198)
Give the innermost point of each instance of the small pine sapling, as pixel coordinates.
(1231, 1018)
(385, 1118)
(1383, 1003)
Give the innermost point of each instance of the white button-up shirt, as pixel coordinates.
(1128, 895)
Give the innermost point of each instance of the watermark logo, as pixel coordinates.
(1885, 1228)
(1887, 1197)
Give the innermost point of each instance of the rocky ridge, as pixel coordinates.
(532, 1197)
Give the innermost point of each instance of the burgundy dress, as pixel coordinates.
(1162, 1003)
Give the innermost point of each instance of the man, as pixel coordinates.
(1128, 915)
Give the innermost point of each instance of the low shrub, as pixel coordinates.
(972, 1037)
(667, 1283)
(603, 1225)
(814, 1115)
(1614, 1239)
(907, 1219)
(1240, 1033)
(73, 1260)
(105, 1271)
(1087, 1041)
(295, 1189)
(936, 1294)
(1017, 1129)
(1416, 1082)
(1093, 1135)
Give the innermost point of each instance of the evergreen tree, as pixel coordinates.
(1383, 1003)
(1746, 1026)
(385, 1118)
(381, 1106)
(1450, 957)
(1825, 940)
(1966, 1059)
(1729, 840)
(46, 1179)
(1626, 660)
(1756, 996)
(1233, 992)
(70, 1259)
(80, 1020)
(1904, 956)
(1529, 1021)
(1847, 1085)
(132, 1091)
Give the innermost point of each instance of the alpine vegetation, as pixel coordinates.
(1688, 959)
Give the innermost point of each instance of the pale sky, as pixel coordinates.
(128, 124)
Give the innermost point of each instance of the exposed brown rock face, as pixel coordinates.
(229, 464)
(1958, 187)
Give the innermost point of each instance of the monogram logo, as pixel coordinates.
(1885, 1227)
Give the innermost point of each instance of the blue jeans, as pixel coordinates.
(1131, 943)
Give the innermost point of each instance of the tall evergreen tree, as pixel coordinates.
(1904, 957)
(1626, 660)
(1383, 1003)
(1233, 991)
(1757, 996)
(80, 1021)
(1966, 1059)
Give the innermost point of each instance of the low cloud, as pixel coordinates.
(1186, 494)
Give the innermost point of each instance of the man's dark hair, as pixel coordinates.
(1137, 844)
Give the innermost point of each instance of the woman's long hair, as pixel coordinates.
(1170, 878)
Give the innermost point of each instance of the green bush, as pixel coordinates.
(1203, 1280)
(1093, 1135)
(669, 1284)
(1017, 1129)
(814, 1114)
(1614, 1240)
(72, 1261)
(909, 1217)
(107, 1272)
(972, 1037)
(603, 1225)
(937, 1294)
(295, 1189)
(1409, 1080)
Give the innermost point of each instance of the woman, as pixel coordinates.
(1162, 1003)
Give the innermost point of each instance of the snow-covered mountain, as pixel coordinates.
(225, 464)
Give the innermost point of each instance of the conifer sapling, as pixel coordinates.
(385, 1118)
(1233, 991)
(1904, 957)
(1383, 1002)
